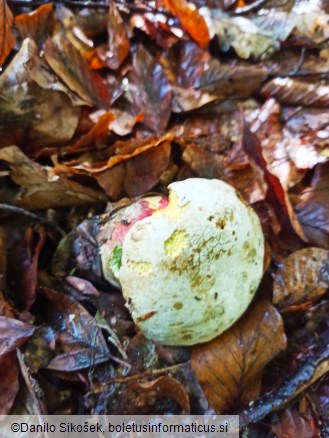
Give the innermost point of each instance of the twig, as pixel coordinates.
(35, 217)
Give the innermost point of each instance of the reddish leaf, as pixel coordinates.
(291, 423)
(80, 343)
(13, 333)
(98, 134)
(229, 368)
(303, 276)
(36, 25)
(118, 41)
(9, 383)
(276, 196)
(7, 39)
(190, 19)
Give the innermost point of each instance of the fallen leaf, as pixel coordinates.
(303, 276)
(290, 423)
(7, 39)
(97, 134)
(246, 38)
(23, 266)
(9, 384)
(36, 25)
(31, 115)
(291, 91)
(313, 210)
(119, 44)
(79, 342)
(191, 20)
(150, 90)
(141, 397)
(41, 188)
(71, 67)
(13, 333)
(137, 175)
(229, 368)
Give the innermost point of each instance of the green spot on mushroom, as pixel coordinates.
(174, 245)
(115, 260)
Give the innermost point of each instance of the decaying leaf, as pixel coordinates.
(40, 187)
(303, 276)
(230, 367)
(7, 39)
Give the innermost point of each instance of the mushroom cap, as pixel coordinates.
(191, 269)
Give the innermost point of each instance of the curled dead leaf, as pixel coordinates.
(303, 276)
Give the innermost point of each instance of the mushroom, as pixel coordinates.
(188, 266)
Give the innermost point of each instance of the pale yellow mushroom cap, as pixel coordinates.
(190, 270)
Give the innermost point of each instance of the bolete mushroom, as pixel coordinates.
(188, 266)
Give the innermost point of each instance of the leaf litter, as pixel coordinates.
(99, 107)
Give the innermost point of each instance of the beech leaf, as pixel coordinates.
(229, 368)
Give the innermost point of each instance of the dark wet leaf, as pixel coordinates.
(79, 342)
(230, 367)
(23, 266)
(9, 384)
(292, 423)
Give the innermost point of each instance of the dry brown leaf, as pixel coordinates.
(229, 368)
(41, 188)
(136, 175)
(68, 63)
(36, 25)
(7, 39)
(9, 383)
(303, 276)
(30, 115)
(190, 19)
